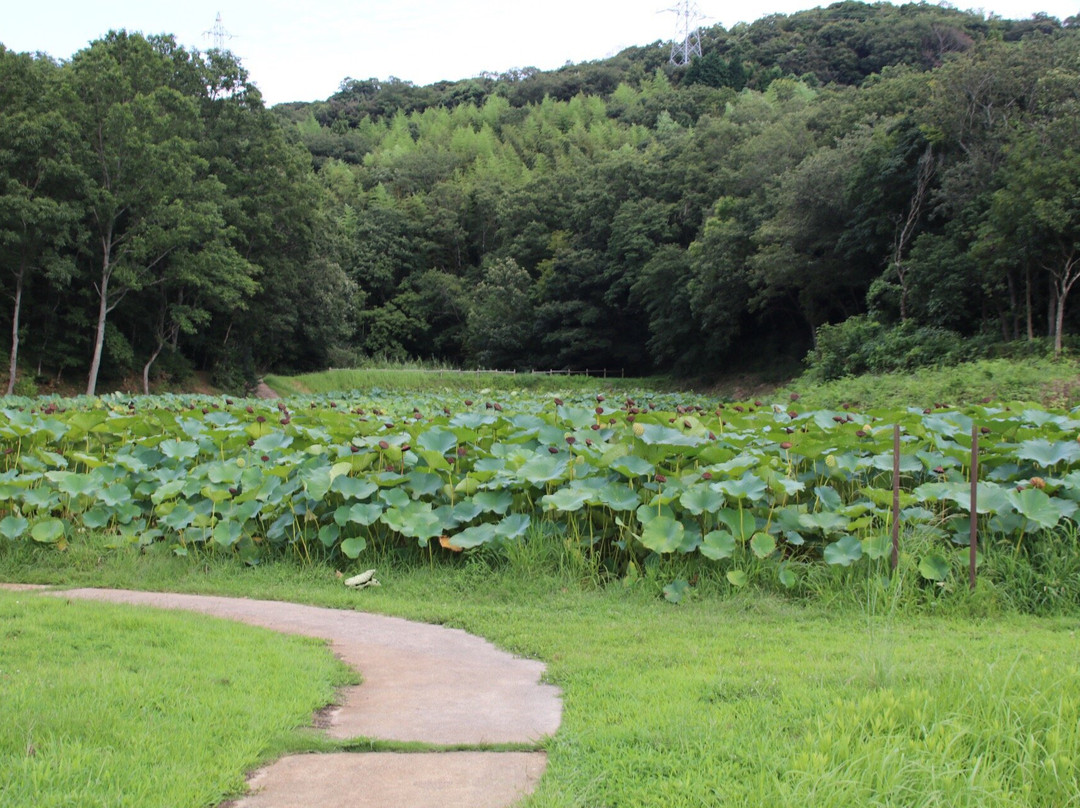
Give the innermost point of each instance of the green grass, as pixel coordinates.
(1048, 381)
(114, 706)
(445, 380)
(731, 701)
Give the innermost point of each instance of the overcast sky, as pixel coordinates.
(301, 51)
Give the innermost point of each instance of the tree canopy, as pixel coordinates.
(912, 163)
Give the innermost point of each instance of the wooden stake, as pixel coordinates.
(973, 544)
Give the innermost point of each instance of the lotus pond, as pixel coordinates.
(759, 484)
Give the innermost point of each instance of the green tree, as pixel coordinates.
(146, 185)
(499, 323)
(37, 210)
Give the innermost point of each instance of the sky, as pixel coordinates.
(301, 51)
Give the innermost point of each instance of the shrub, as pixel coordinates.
(862, 345)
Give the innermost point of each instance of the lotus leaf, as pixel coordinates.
(844, 552)
(763, 545)
(701, 498)
(353, 547)
(48, 531)
(12, 527)
(662, 534)
(934, 567)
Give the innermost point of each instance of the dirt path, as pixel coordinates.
(263, 390)
(421, 683)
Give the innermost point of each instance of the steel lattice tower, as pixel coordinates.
(687, 43)
(218, 34)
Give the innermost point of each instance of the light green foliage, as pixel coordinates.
(744, 489)
(114, 705)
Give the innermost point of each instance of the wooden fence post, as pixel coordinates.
(973, 543)
(896, 497)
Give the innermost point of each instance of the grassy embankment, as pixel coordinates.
(1054, 383)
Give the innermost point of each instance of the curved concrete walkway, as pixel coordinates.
(421, 683)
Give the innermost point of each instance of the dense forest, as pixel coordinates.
(820, 178)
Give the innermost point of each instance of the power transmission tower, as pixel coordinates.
(687, 43)
(218, 34)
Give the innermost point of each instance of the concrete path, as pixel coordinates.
(420, 683)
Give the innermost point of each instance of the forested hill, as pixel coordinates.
(914, 166)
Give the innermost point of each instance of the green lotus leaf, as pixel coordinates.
(178, 449)
(415, 520)
(48, 531)
(742, 524)
(618, 497)
(934, 567)
(466, 510)
(749, 486)
(737, 578)
(877, 546)
(786, 576)
(1048, 453)
(844, 552)
(701, 498)
(494, 501)
(763, 545)
(329, 534)
(513, 526)
(825, 521)
(226, 533)
(544, 469)
(473, 420)
(179, 517)
(12, 527)
(114, 495)
(658, 435)
(662, 534)
(353, 488)
(475, 536)
(717, 544)
(273, 441)
(353, 547)
(422, 484)
(96, 518)
(676, 590)
(438, 440)
(1040, 508)
(360, 513)
(74, 484)
(566, 499)
(632, 466)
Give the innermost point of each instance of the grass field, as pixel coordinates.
(446, 380)
(112, 706)
(1051, 382)
(747, 701)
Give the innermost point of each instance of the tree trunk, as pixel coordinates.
(1027, 295)
(103, 312)
(162, 338)
(13, 363)
(146, 367)
(1059, 317)
(1062, 285)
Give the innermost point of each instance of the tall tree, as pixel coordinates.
(37, 210)
(145, 181)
